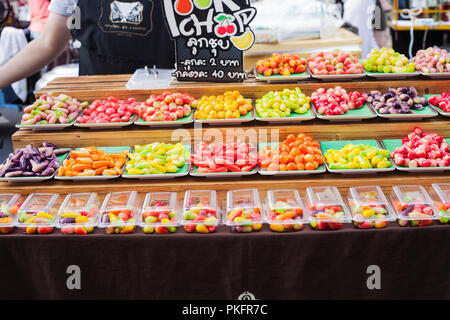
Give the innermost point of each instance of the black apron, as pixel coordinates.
(120, 36)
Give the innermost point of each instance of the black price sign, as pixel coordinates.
(210, 38)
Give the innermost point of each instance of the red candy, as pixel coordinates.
(110, 110)
(336, 101)
(422, 149)
(442, 101)
(214, 158)
(336, 62)
(166, 107)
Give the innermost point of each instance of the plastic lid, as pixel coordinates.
(443, 191)
(80, 202)
(324, 196)
(120, 200)
(163, 202)
(327, 201)
(412, 202)
(6, 202)
(283, 201)
(200, 202)
(370, 197)
(443, 199)
(150, 78)
(200, 199)
(40, 202)
(245, 198)
(412, 194)
(117, 201)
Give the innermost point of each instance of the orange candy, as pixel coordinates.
(91, 161)
(299, 152)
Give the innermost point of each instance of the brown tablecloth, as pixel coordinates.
(414, 264)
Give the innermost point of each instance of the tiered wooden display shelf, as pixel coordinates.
(98, 87)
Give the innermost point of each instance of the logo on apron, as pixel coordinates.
(126, 12)
(126, 18)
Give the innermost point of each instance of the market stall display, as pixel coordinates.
(51, 112)
(420, 151)
(120, 212)
(335, 65)
(369, 207)
(281, 68)
(356, 156)
(200, 211)
(229, 108)
(224, 160)
(285, 211)
(441, 103)
(296, 155)
(388, 64)
(413, 206)
(401, 103)
(433, 62)
(284, 106)
(109, 113)
(79, 213)
(158, 161)
(440, 194)
(32, 164)
(166, 109)
(244, 211)
(9, 209)
(336, 104)
(326, 209)
(160, 213)
(38, 214)
(93, 163)
(193, 246)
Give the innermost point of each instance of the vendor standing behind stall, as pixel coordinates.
(117, 37)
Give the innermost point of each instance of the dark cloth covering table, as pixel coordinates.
(414, 264)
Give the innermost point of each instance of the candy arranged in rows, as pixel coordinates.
(295, 155)
(51, 112)
(284, 210)
(384, 63)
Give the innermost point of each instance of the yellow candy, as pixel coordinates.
(81, 219)
(89, 229)
(257, 226)
(73, 215)
(368, 213)
(201, 228)
(30, 230)
(149, 229)
(277, 227)
(135, 171)
(44, 215)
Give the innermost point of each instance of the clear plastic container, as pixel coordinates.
(326, 209)
(9, 208)
(369, 207)
(440, 194)
(244, 212)
(79, 213)
(200, 211)
(413, 206)
(38, 214)
(160, 213)
(120, 212)
(285, 211)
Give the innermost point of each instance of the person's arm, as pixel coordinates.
(38, 53)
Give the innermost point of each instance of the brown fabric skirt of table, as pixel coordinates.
(414, 264)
